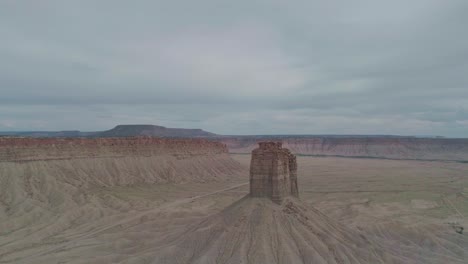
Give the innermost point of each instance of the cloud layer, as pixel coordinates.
(237, 67)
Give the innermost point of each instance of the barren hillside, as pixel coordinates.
(149, 200)
(51, 187)
(256, 230)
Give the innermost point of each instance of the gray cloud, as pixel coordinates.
(271, 67)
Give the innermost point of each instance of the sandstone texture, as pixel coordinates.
(29, 149)
(273, 172)
(361, 147)
(39, 167)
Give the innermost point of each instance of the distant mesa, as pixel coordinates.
(119, 131)
(152, 130)
(273, 172)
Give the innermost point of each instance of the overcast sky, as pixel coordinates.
(236, 67)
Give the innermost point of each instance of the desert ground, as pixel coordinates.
(421, 205)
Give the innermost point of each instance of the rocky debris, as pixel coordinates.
(457, 227)
(273, 172)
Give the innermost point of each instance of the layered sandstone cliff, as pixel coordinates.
(373, 147)
(28, 149)
(273, 172)
(68, 187)
(48, 170)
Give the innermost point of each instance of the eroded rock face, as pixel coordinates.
(113, 162)
(273, 172)
(29, 149)
(374, 147)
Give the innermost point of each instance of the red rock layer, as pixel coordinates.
(27, 149)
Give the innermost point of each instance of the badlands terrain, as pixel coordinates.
(150, 200)
(356, 146)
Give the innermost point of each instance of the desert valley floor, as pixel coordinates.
(420, 204)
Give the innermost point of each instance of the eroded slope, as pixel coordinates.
(51, 187)
(255, 230)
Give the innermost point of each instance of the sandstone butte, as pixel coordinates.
(273, 172)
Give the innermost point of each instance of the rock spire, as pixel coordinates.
(273, 172)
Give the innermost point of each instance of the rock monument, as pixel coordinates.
(273, 172)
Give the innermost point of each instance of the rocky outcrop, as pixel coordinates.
(371, 147)
(273, 172)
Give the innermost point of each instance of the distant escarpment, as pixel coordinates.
(115, 161)
(365, 147)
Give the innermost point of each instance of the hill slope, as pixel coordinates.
(53, 187)
(255, 230)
